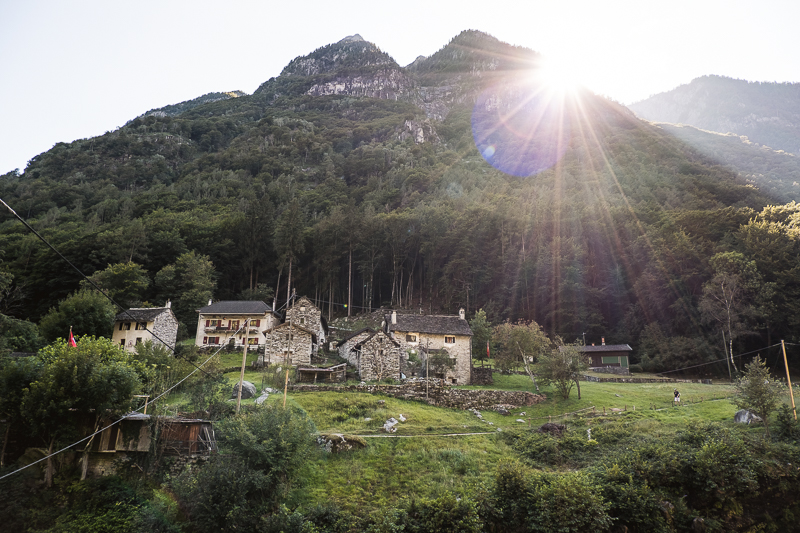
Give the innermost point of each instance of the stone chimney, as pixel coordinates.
(461, 313)
(168, 304)
(209, 301)
(394, 317)
(603, 340)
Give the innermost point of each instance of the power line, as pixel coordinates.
(718, 360)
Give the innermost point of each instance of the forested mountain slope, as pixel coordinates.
(347, 162)
(766, 113)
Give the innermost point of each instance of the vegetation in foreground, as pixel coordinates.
(655, 468)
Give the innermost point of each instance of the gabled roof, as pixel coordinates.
(604, 348)
(141, 314)
(355, 334)
(236, 307)
(294, 326)
(373, 335)
(442, 324)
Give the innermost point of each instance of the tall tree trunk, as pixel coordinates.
(350, 280)
(277, 290)
(289, 284)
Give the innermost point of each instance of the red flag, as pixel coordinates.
(72, 339)
(487, 350)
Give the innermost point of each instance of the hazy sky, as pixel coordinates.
(75, 69)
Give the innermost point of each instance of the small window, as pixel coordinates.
(138, 340)
(205, 340)
(127, 326)
(255, 323)
(252, 340)
(120, 326)
(449, 340)
(122, 342)
(141, 326)
(302, 320)
(411, 338)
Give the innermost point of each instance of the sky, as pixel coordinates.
(76, 69)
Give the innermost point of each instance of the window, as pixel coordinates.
(122, 342)
(205, 340)
(120, 326)
(411, 338)
(252, 340)
(141, 326)
(302, 320)
(138, 340)
(127, 326)
(449, 340)
(255, 323)
(233, 324)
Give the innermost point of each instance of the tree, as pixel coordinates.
(289, 241)
(18, 335)
(523, 342)
(757, 391)
(729, 297)
(563, 368)
(86, 311)
(16, 374)
(481, 335)
(97, 378)
(189, 283)
(125, 283)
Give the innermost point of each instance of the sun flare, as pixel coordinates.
(557, 76)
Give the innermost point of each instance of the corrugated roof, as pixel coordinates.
(236, 307)
(141, 314)
(443, 324)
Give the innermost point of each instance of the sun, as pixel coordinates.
(556, 76)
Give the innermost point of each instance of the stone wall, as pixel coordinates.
(643, 380)
(304, 313)
(380, 358)
(621, 370)
(438, 394)
(276, 344)
(482, 376)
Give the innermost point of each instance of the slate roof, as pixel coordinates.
(294, 326)
(236, 307)
(357, 346)
(441, 324)
(140, 314)
(606, 348)
(359, 332)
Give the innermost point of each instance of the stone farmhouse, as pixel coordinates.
(220, 323)
(142, 324)
(345, 345)
(287, 343)
(421, 334)
(304, 313)
(374, 354)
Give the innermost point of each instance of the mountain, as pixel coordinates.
(766, 113)
(459, 180)
(177, 109)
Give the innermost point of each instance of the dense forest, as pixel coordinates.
(361, 182)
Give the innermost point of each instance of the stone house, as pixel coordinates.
(378, 357)
(419, 334)
(293, 340)
(345, 345)
(304, 313)
(221, 322)
(142, 324)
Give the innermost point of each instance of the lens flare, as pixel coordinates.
(521, 128)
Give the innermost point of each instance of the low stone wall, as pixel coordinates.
(621, 370)
(644, 380)
(437, 394)
(482, 376)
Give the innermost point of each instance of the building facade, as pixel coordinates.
(304, 313)
(222, 323)
(142, 324)
(421, 334)
(286, 343)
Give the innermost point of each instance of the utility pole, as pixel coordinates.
(788, 379)
(288, 350)
(244, 362)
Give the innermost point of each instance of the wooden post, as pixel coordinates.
(788, 379)
(288, 350)
(244, 362)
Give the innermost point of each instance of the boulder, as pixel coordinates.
(553, 429)
(248, 390)
(337, 442)
(745, 417)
